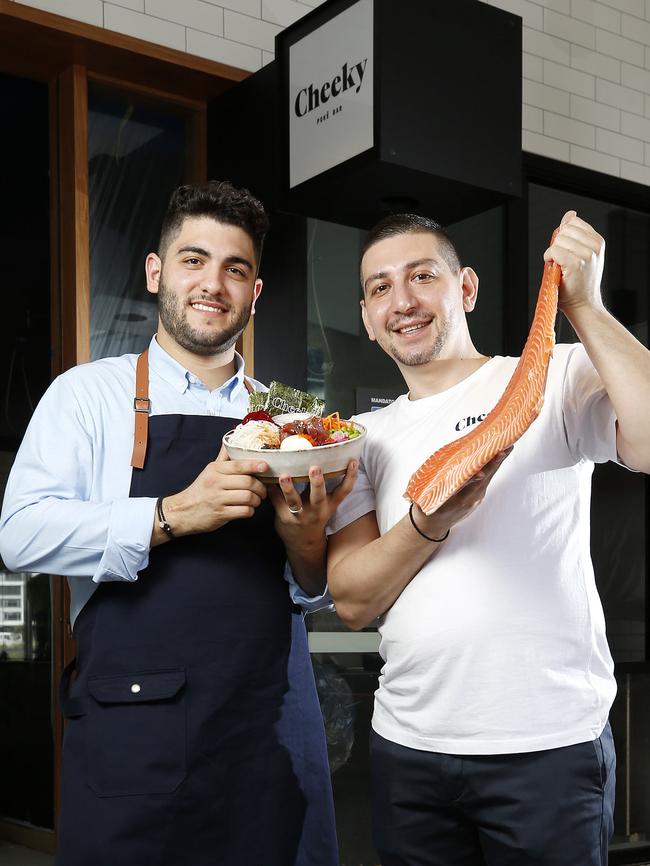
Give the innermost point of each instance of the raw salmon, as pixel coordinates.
(445, 472)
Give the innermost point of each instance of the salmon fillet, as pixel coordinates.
(445, 472)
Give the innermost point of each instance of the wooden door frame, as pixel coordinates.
(66, 55)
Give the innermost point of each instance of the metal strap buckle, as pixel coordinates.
(146, 400)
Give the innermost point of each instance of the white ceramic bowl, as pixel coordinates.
(333, 459)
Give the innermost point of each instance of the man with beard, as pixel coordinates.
(194, 728)
(490, 744)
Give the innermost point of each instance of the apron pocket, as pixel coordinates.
(136, 733)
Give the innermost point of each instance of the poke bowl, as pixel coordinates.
(332, 457)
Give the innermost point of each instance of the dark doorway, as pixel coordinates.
(26, 743)
(25, 245)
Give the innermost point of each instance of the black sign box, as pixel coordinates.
(447, 118)
(447, 114)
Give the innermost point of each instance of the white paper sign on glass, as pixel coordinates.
(331, 93)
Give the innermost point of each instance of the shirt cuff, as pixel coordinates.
(128, 540)
(308, 603)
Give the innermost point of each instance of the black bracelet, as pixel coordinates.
(162, 521)
(419, 531)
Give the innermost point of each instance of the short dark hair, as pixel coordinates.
(222, 202)
(408, 223)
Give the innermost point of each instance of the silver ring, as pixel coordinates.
(295, 510)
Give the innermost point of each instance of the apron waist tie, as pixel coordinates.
(71, 708)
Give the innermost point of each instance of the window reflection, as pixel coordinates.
(630, 719)
(479, 240)
(25, 633)
(343, 365)
(618, 512)
(135, 161)
(26, 750)
(340, 357)
(346, 685)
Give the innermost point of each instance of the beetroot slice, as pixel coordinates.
(257, 416)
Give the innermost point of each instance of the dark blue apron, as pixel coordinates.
(194, 734)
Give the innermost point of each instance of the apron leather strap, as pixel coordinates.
(142, 408)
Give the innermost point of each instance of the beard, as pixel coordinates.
(423, 354)
(205, 341)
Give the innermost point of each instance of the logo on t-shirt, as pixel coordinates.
(464, 423)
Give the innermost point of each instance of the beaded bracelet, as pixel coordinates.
(419, 531)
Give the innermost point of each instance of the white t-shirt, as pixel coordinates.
(498, 644)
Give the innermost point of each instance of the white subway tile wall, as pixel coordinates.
(572, 80)
(564, 27)
(223, 50)
(548, 98)
(191, 13)
(88, 11)
(619, 97)
(144, 26)
(590, 158)
(597, 64)
(545, 146)
(282, 12)
(543, 45)
(596, 113)
(575, 131)
(597, 13)
(532, 67)
(250, 31)
(533, 118)
(586, 63)
(136, 5)
(586, 89)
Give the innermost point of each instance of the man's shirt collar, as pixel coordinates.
(180, 378)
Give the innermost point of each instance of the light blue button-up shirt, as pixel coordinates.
(67, 508)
